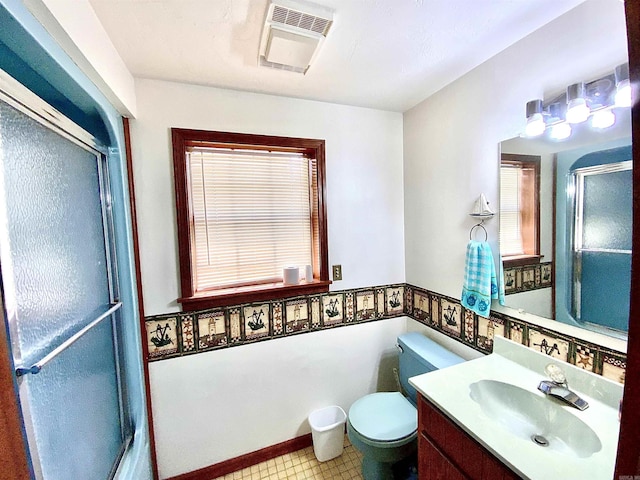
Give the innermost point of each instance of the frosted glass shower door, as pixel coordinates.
(602, 245)
(60, 296)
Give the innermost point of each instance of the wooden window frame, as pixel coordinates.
(191, 300)
(532, 247)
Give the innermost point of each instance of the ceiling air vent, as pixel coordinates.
(292, 34)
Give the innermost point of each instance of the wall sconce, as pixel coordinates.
(595, 99)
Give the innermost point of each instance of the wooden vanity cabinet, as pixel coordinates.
(446, 452)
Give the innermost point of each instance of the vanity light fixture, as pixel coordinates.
(623, 86)
(560, 131)
(597, 100)
(577, 109)
(603, 119)
(535, 122)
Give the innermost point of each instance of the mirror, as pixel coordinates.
(584, 226)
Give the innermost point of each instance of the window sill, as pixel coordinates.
(254, 293)
(521, 260)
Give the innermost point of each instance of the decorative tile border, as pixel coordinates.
(162, 336)
(365, 306)
(179, 334)
(478, 333)
(528, 277)
(212, 330)
(552, 345)
(332, 309)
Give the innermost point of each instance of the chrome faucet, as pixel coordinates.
(558, 387)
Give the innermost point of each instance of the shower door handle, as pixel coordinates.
(36, 367)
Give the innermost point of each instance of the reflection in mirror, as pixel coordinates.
(570, 259)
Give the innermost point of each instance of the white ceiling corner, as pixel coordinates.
(383, 54)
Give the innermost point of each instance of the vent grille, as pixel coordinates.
(301, 20)
(279, 66)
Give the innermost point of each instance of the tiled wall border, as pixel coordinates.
(525, 278)
(180, 334)
(446, 315)
(186, 333)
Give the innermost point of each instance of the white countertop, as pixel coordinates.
(518, 365)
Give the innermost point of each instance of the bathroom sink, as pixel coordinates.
(532, 417)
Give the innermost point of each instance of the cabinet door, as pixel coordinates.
(432, 465)
(447, 452)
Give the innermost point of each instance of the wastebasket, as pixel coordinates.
(327, 432)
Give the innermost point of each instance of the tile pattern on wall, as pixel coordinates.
(528, 277)
(179, 334)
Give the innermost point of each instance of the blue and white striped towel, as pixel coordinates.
(480, 281)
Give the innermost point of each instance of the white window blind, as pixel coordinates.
(252, 215)
(510, 211)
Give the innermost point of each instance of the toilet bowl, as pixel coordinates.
(383, 426)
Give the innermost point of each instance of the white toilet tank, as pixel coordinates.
(419, 354)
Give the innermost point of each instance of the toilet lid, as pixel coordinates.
(384, 416)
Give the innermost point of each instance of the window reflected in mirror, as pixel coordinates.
(520, 209)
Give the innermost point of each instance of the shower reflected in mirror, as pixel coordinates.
(573, 261)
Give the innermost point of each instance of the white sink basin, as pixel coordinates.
(532, 417)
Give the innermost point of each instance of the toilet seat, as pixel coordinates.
(384, 417)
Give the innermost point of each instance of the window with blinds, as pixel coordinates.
(519, 206)
(247, 206)
(252, 214)
(510, 231)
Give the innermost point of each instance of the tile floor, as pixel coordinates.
(302, 465)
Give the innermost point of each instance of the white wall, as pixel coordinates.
(364, 177)
(446, 341)
(451, 139)
(213, 406)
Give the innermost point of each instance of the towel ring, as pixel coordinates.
(486, 235)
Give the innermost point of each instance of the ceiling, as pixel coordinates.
(383, 54)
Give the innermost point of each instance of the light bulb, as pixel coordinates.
(535, 125)
(560, 131)
(577, 111)
(623, 86)
(623, 94)
(603, 119)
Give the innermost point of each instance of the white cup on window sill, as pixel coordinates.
(308, 273)
(290, 275)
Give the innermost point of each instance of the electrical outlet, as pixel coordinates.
(337, 272)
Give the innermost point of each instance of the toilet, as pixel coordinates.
(383, 426)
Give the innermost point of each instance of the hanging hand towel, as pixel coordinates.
(480, 281)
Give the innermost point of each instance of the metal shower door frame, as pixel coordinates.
(577, 180)
(20, 98)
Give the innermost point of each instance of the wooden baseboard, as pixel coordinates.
(247, 460)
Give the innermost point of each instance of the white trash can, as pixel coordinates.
(327, 431)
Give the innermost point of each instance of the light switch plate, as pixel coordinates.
(337, 272)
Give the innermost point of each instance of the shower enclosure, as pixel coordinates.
(60, 292)
(602, 244)
(598, 253)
